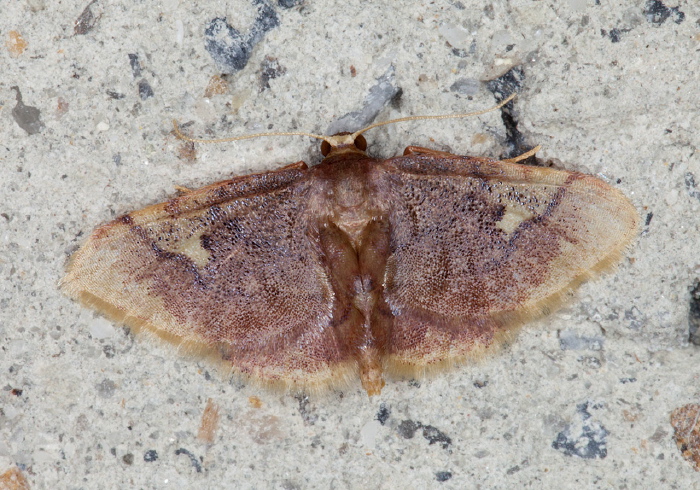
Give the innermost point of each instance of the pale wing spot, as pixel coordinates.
(512, 217)
(191, 248)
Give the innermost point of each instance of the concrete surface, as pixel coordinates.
(581, 399)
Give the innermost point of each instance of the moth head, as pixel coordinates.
(343, 142)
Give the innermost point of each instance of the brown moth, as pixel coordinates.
(306, 277)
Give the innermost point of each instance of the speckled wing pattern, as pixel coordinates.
(478, 245)
(308, 277)
(227, 268)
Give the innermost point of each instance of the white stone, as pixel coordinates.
(101, 328)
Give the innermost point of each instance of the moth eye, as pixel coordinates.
(325, 148)
(361, 143)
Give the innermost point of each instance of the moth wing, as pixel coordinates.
(479, 245)
(229, 269)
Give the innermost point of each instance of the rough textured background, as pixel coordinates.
(580, 399)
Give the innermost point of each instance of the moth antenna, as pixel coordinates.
(442, 116)
(525, 155)
(183, 136)
(335, 141)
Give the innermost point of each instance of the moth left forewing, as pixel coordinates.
(172, 223)
(479, 246)
(227, 270)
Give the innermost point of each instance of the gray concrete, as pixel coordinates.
(580, 399)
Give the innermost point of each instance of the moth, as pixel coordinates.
(305, 277)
